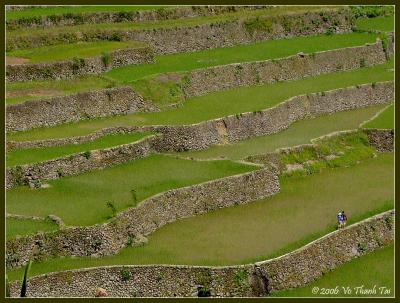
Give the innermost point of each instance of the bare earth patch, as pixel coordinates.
(169, 77)
(37, 92)
(16, 60)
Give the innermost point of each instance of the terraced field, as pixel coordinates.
(133, 148)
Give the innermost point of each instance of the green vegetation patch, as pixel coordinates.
(263, 50)
(64, 10)
(344, 150)
(93, 197)
(71, 51)
(20, 91)
(18, 227)
(374, 270)
(33, 155)
(300, 132)
(372, 11)
(220, 104)
(261, 229)
(384, 24)
(384, 119)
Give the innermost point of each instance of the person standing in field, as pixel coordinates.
(339, 218)
(344, 218)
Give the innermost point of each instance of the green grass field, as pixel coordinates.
(219, 104)
(33, 155)
(21, 91)
(60, 10)
(81, 200)
(300, 132)
(264, 50)
(18, 92)
(384, 120)
(70, 51)
(16, 227)
(262, 229)
(384, 24)
(375, 268)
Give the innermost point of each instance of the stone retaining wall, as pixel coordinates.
(292, 270)
(136, 223)
(72, 108)
(191, 38)
(167, 13)
(272, 120)
(78, 163)
(203, 81)
(205, 134)
(82, 66)
(381, 139)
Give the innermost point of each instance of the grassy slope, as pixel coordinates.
(81, 200)
(33, 155)
(220, 104)
(69, 51)
(189, 61)
(375, 268)
(384, 120)
(16, 227)
(283, 10)
(242, 53)
(261, 229)
(384, 24)
(59, 10)
(17, 92)
(301, 132)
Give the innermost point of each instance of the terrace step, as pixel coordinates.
(292, 270)
(205, 134)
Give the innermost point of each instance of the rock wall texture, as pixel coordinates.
(292, 270)
(203, 81)
(205, 134)
(130, 227)
(57, 110)
(167, 13)
(78, 163)
(272, 120)
(72, 108)
(382, 139)
(82, 66)
(203, 36)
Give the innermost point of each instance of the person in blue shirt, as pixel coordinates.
(339, 218)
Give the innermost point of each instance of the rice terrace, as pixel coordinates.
(199, 151)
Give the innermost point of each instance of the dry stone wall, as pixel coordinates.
(272, 120)
(191, 38)
(136, 223)
(205, 134)
(203, 81)
(78, 163)
(48, 112)
(72, 108)
(292, 270)
(82, 66)
(381, 139)
(168, 13)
